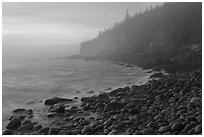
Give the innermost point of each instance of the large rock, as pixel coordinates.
(148, 131)
(198, 129)
(113, 106)
(59, 108)
(14, 123)
(44, 130)
(26, 127)
(177, 126)
(19, 110)
(164, 129)
(115, 92)
(7, 132)
(56, 100)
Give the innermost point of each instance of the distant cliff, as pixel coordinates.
(152, 37)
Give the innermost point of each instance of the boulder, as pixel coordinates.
(113, 106)
(56, 100)
(59, 108)
(44, 130)
(7, 132)
(19, 110)
(38, 127)
(26, 127)
(148, 131)
(177, 126)
(115, 92)
(14, 123)
(164, 129)
(198, 129)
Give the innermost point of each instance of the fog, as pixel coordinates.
(51, 30)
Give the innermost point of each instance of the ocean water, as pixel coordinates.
(28, 84)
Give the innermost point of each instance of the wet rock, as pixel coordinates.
(26, 122)
(29, 112)
(26, 127)
(53, 131)
(158, 117)
(107, 122)
(177, 126)
(195, 101)
(19, 110)
(11, 117)
(86, 129)
(134, 111)
(114, 132)
(59, 108)
(180, 112)
(198, 129)
(21, 117)
(7, 132)
(99, 127)
(14, 123)
(50, 115)
(113, 106)
(148, 131)
(38, 127)
(56, 100)
(115, 92)
(103, 97)
(133, 88)
(164, 129)
(44, 130)
(90, 92)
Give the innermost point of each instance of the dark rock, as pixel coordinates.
(99, 127)
(50, 115)
(7, 132)
(29, 112)
(56, 100)
(107, 122)
(14, 123)
(177, 126)
(134, 111)
(87, 107)
(103, 97)
(198, 129)
(158, 117)
(11, 117)
(44, 130)
(59, 108)
(26, 127)
(19, 110)
(164, 129)
(37, 128)
(148, 131)
(115, 92)
(53, 131)
(90, 92)
(134, 88)
(113, 106)
(21, 117)
(114, 132)
(86, 129)
(26, 122)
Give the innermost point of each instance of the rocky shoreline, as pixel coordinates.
(168, 105)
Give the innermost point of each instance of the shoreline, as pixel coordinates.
(151, 108)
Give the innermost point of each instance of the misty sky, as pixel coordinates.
(56, 29)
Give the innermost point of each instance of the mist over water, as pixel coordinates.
(18, 53)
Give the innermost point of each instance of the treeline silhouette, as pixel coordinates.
(150, 37)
